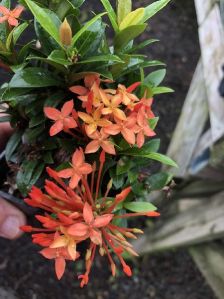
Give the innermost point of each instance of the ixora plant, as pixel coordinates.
(80, 105)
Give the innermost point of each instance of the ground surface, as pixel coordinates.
(166, 276)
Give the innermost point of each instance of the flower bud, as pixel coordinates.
(65, 32)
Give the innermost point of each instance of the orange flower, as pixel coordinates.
(11, 15)
(126, 128)
(143, 128)
(92, 122)
(79, 168)
(100, 139)
(59, 255)
(90, 229)
(112, 103)
(125, 94)
(63, 120)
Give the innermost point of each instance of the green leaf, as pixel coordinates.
(153, 122)
(44, 17)
(155, 78)
(142, 45)
(111, 13)
(90, 40)
(161, 158)
(102, 58)
(153, 8)
(18, 31)
(59, 57)
(85, 27)
(33, 77)
(123, 9)
(128, 34)
(133, 18)
(12, 144)
(123, 166)
(3, 26)
(148, 147)
(162, 89)
(29, 173)
(77, 3)
(159, 180)
(139, 207)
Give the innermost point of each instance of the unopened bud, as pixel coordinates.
(113, 269)
(130, 235)
(88, 254)
(137, 231)
(110, 184)
(102, 251)
(65, 32)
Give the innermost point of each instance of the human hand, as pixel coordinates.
(11, 218)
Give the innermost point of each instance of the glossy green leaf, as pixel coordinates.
(123, 166)
(153, 122)
(89, 42)
(12, 144)
(123, 9)
(101, 58)
(159, 180)
(133, 18)
(33, 77)
(128, 34)
(161, 158)
(150, 146)
(18, 31)
(59, 57)
(142, 45)
(111, 13)
(85, 27)
(139, 207)
(45, 18)
(77, 3)
(153, 8)
(155, 78)
(162, 89)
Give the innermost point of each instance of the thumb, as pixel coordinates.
(11, 219)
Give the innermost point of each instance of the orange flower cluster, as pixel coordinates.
(107, 112)
(78, 213)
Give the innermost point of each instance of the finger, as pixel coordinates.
(11, 219)
(5, 132)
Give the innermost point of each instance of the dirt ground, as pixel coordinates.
(162, 276)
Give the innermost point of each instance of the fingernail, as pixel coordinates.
(10, 227)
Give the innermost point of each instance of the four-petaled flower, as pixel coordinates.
(94, 121)
(63, 120)
(79, 167)
(90, 228)
(100, 139)
(11, 16)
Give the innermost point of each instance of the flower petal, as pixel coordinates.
(60, 241)
(67, 108)
(4, 10)
(85, 168)
(88, 213)
(78, 230)
(60, 267)
(92, 147)
(80, 90)
(66, 173)
(78, 158)
(128, 135)
(108, 147)
(56, 128)
(52, 113)
(48, 253)
(96, 237)
(17, 11)
(74, 181)
(103, 220)
(12, 21)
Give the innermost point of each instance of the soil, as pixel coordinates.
(162, 276)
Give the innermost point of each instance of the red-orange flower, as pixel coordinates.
(100, 140)
(92, 122)
(89, 229)
(126, 128)
(125, 94)
(11, 16)
(63, 120)
(79, 168)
